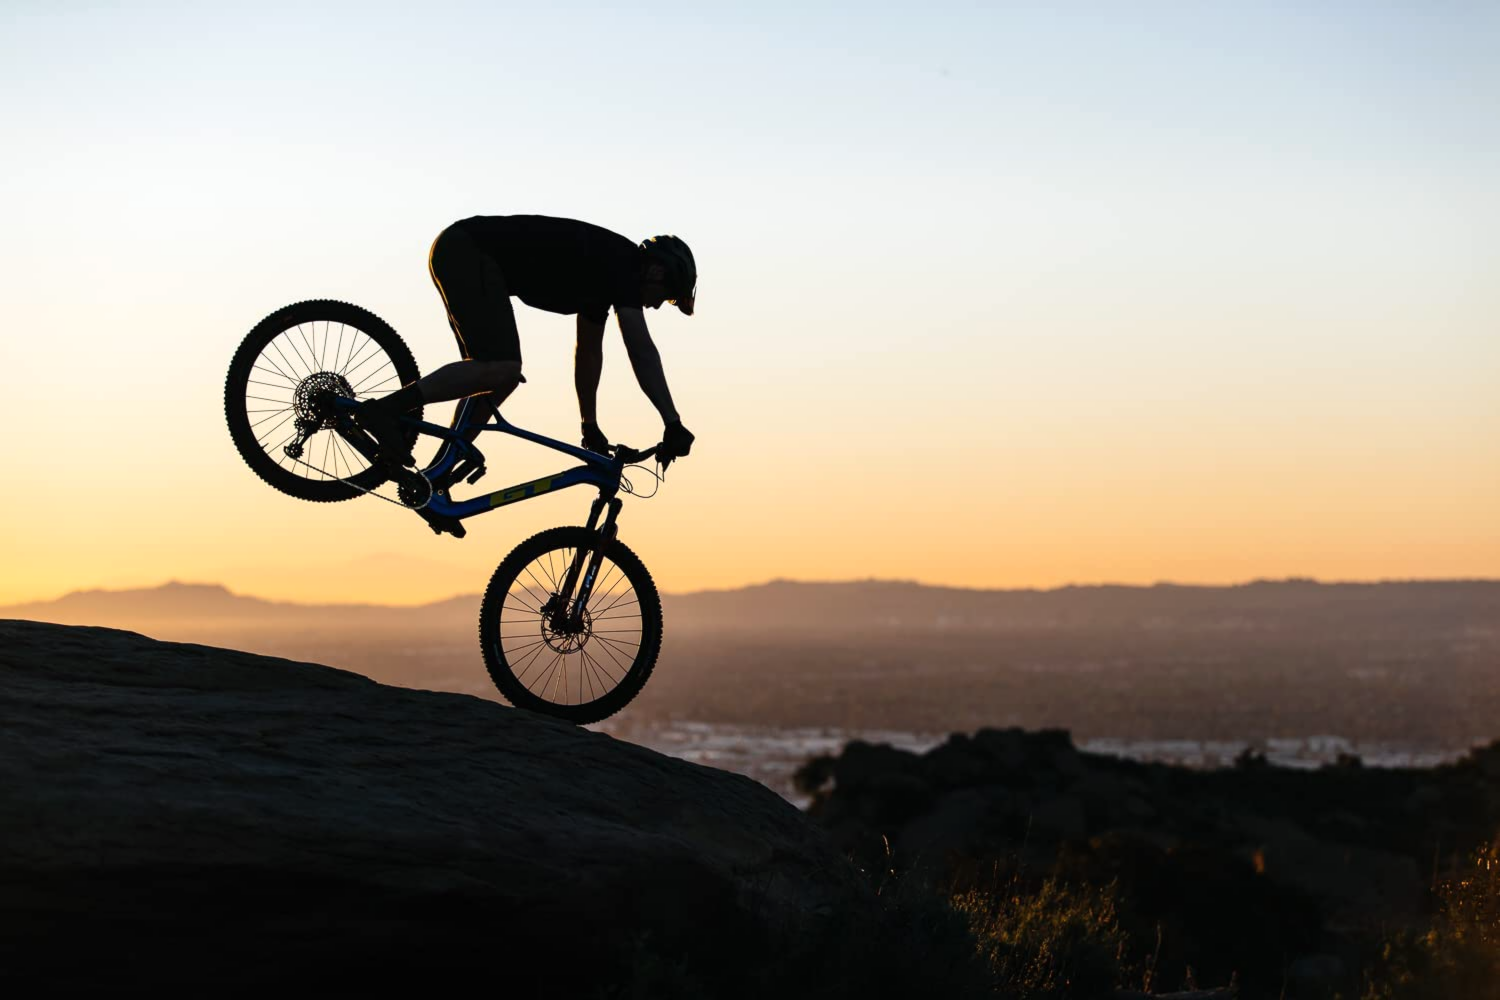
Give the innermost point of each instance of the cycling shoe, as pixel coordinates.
(385, 428)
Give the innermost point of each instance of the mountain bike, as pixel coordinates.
(570, 625)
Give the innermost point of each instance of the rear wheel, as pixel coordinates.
(278, 388)
(581, 673)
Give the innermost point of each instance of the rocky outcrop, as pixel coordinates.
(192, 817)
(1252, 872)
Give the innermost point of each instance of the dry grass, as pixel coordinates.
(1047, 941)
(1459, 954)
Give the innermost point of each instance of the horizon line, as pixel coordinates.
(1102, 585)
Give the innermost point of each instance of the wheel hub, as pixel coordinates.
(563, 637)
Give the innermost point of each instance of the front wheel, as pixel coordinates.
(583, 672)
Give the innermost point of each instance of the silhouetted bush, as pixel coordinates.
(1459, 954)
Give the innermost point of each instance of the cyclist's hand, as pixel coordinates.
(594, 439)
(676, 442)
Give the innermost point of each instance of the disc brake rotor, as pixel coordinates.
(565, 641)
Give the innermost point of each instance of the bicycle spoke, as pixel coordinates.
(517, 649)
(552, 673)
(562, 678)
(600, 598)
(351, 457)
(262, 420)
(274, 366)
(292, 343)
(312, 355)
(273, 430)
(349, 365)
(529, 573)
(535, 611)
(338, 473)
(586, 670)
(623, 665)
(536, 661)
(534, 657)
(601, 666)
(295, 376)
(607, 680)
(273, 371)
(620, 602)
(376, 371)
(364, 360)
(396, 377)
(284, 359)
(551, 570)
(585, 678)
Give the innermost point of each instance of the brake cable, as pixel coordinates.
(629, 487)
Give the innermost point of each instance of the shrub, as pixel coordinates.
(1050, 941)
(1459, 954)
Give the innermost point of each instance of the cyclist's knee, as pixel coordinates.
(503, 374)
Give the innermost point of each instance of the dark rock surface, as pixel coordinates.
(200, 818)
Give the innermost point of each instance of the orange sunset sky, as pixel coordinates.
(1018, 296)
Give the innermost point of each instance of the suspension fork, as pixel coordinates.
(568, 613)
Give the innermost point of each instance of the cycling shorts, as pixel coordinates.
(474, 292)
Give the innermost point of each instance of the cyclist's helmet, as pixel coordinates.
(681, 271)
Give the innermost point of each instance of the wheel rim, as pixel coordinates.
(296, 369)
(570, 666)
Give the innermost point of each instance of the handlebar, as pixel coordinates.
(630, 456)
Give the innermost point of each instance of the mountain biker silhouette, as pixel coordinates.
(559, 265)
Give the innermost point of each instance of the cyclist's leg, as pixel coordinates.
(480, 315)
(484, 324)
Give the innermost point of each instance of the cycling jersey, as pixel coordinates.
(558, 265)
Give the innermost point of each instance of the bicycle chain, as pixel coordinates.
(372, 493)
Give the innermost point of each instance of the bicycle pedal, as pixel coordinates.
(443, 525)
(476, 475)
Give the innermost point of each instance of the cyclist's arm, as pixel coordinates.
(588, 362)
(646, 361)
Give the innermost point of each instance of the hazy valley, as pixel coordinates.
(758, 679)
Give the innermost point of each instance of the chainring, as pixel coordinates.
(413, 489)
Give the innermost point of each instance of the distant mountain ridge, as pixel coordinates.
(850, 604)
(213, 605)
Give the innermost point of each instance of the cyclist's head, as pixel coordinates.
(678, 274)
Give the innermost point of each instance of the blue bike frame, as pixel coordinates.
(601, 471)
(597, 470)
